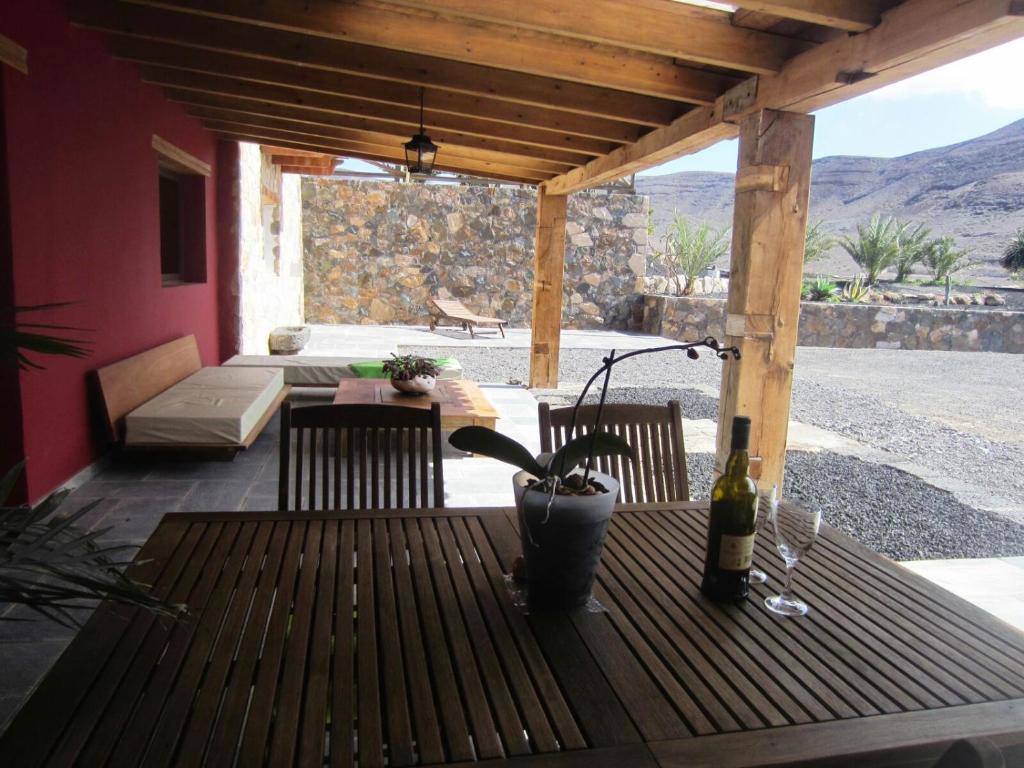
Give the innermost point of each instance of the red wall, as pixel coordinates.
(85, 224)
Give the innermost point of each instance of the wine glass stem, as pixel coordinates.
(787, 589)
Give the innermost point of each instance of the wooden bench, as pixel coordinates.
(450, 310)
(129, 384)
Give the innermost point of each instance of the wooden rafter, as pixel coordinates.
(900, 46)
(373, 152)
(403, 119)
(389, 143)
(850, 15)
(655, 26)
(409, 30)
(176, 57)
(314, 124)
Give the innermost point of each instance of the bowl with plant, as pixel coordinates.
(411, 374)
(564, 505)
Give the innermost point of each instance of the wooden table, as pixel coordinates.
(462, 402)
(393, 635)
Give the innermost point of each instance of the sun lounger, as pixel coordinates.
(451, 311)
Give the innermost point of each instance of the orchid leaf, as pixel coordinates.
(487, 442)
(576, 451)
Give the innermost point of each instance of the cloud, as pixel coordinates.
(993, 76)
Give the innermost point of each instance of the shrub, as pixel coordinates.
(689, 250)
(855, 291)
(913, 245)
(876, 247)
(817, 243)
(1013, 256)
(819, 289)
(943, 259)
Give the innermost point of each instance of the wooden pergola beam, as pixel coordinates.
(403, 29)
(373, 152)
(668, 29)
(913, 37)
(390, 144)
(327, 126)
(773, 184)
(548, 272)
(341, 56)
(403, 119)
(849, 15)
(169, 57)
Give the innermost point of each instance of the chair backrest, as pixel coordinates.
(655, 433)
(451, 307)
(360, 457)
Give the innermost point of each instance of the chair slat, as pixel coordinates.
(658, 470)
(393, 457)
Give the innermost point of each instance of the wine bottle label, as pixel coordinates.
(735, 553)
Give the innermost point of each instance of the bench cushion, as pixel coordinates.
(313, 371)
(213, 406)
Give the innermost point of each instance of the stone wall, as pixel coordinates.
(374, 252)
(269, 249)
(853, 326)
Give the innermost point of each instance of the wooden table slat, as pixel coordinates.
(509, 724)
(54, 702)
(391, 638)
(259, 718)
(169, 692)
(567, 730)
(602, 717)
(874, 662)
(192, 735)
(828, 681)
(144, 636)
(753, 707)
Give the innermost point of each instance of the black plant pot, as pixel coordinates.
(562, 550)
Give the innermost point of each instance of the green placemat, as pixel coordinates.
(374, 369)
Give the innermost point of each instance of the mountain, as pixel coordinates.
(973, 191)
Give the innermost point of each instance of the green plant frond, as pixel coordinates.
(576, 451)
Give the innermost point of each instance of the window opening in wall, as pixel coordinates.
(182, 201)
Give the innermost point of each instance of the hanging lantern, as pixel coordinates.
(420, 151)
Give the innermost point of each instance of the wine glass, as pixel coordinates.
(795, 530)
(757, 576)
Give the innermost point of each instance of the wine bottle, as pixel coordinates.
(732, 523)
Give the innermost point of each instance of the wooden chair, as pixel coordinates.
(360, 457)
(457, 313)
(655, 433)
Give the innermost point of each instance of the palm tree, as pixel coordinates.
(876, 248)
(817, 243)
(913, 243)
(944, 259)
(1013, 256)
(690, 250)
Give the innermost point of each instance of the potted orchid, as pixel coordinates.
(564, 505)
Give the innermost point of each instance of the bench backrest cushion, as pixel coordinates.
(128, 383)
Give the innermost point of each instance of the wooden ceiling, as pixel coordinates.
(568, 92)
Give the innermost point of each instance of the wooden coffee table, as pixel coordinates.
(462, 402)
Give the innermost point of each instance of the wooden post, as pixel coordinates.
(548, 266)
(773, 183)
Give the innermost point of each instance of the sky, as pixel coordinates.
(959, 101)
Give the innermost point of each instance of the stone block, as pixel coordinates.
(288, 340)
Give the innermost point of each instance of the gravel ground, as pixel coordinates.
(889, 510)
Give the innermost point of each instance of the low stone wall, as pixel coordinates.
(374, 252)
(853, 326)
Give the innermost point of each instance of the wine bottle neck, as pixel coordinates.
(738, 463)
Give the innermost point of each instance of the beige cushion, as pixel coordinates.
(312, 371)
(213, 406)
